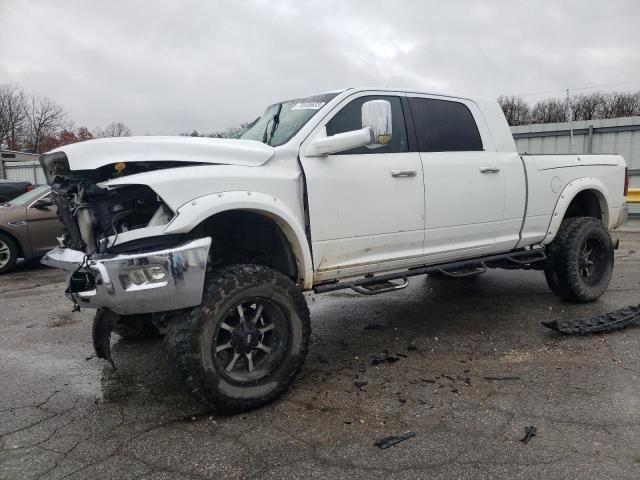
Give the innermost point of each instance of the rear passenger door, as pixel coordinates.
(463, 178)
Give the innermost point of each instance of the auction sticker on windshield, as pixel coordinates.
(308, 106)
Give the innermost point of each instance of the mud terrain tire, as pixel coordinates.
(244, 345)
(580, 260)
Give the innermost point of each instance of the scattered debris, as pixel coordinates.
(377, 359)
(529, 433)
(501, 378)
(607, 322)
(387, 442)
(63, 320)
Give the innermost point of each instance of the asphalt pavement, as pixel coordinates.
(464, 364)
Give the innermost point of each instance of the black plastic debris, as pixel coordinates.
(529, 433)
(608, 322)
(387, 442)
(377, 359)
(101, 331)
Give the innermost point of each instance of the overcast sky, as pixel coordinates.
(166, 67)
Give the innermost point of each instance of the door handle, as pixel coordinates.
(403, 173)
(489, 170)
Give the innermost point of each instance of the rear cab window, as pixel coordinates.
(444, 126)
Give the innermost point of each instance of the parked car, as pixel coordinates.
(10, 189)
(29, 225)
(216, 239)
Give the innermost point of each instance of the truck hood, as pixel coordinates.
(93, 154)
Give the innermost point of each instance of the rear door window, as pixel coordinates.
(444, 126)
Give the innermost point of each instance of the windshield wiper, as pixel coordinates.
(275, 121)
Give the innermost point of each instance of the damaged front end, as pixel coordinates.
(96, 215)
(113, 249)
(113, 252)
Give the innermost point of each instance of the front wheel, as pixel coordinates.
(246, 343)
(8, 254)
(580, 260)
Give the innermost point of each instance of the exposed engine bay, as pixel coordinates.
(94, 215)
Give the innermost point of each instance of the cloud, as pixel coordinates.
(167, 66)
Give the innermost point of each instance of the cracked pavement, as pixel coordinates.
(465, 364)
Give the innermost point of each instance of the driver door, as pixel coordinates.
(366, 205)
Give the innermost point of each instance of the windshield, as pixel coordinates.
(28, 197)
(281, 121)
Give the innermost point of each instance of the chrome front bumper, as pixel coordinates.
(137, 283)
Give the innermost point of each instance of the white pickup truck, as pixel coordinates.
(213, 241)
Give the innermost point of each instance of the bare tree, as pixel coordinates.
(231, 132)
(12, 116)
(621, 104)
(516, 109)
(44, 118)
(588, 107)
(84, 134)
(114, 129)
(552, 110)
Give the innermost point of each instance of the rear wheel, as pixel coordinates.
(580, 260)
(8, 254)
(246, 343)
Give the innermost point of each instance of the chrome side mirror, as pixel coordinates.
(376, 116)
